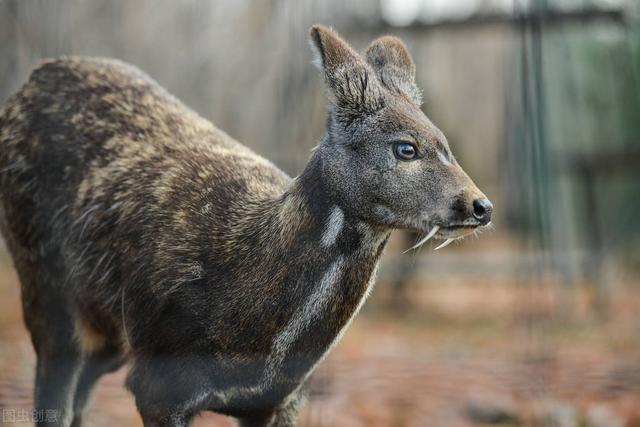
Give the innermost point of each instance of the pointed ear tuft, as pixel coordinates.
(392, 62)
(329, 49)
(351, 83)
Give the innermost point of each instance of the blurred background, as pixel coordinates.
(534, 323)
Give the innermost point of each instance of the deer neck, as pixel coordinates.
(332, 257)
(325, 223)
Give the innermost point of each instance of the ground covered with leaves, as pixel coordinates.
(458, 354)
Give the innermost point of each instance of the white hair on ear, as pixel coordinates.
(316, 55)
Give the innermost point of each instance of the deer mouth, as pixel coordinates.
(448, 233)
(456, 230)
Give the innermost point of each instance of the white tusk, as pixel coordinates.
(432, 233)
(446, 242)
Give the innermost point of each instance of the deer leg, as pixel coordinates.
(283, 416)
(103, 361)
(287, 414)
(58, 366)
(159, 399)
(59, 358)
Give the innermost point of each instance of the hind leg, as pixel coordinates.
(57, 371)
(50, 321)
(103, 361)
(56, 378)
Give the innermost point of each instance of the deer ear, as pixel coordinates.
(392, 62)
(351, 83)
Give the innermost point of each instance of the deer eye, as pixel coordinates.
(405, 151)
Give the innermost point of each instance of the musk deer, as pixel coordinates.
(142, 233)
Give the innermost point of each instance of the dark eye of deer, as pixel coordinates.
(405, 151)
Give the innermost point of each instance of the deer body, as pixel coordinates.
(141, 232)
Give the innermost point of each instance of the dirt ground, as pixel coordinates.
(462, 355)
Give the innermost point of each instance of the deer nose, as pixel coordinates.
(482, 209)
